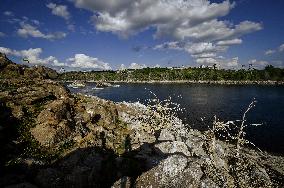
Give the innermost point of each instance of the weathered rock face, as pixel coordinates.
(55, 139)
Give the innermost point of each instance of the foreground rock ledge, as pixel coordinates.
(51, 138)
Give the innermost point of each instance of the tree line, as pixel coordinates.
(170, 74)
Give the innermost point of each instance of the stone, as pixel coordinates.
(168, 173)
(166, 135)
(124, 182)
(22, 185)
(173, 148)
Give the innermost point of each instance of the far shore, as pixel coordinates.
(211, 82)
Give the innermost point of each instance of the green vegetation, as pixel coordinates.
(167, 74)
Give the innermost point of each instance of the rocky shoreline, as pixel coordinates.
(52, 138)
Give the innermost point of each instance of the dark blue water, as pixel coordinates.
(227, 102)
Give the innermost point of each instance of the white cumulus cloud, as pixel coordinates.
(62, 11)
(258, 64)
(195, 19)
(269, 52)
(229, 42)
(83, 61)
(33, 56)
(194, 25)
(279, 49)
(59, 10)
(220, 62)
(78, 62)
(137, 66)
(27, 30)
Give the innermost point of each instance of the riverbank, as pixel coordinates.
(209, 82)
(85, 141)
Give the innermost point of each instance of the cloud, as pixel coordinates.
(204, 53)
(279, 49)
(59, 10)
(6, 50)
(62, 11)
(176, 45)
(269, 52)
(229, 42)
(8, 13)
(22, 19)
(220, 62)
(194, 26)
(129, 17)
(83, 61)
(195, 20)
(78, 62)
(28, 30)
(201, 52)
(2, 34)
(204, 48)
(157, 66)
(33, 55)
(122, 67)
(258, 64)
(137, 66)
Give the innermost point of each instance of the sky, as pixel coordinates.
(117, 34)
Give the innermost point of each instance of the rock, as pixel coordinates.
(53, 124)
(166, 135)
(78, 177)
(207, 183)
(174, 147)
(22, 185)
(124, 182)
(168, 173)
(49, 178)
(192, 175)
(103, 84)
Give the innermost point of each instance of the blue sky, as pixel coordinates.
(113, 34)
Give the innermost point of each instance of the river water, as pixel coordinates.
(227, 102)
